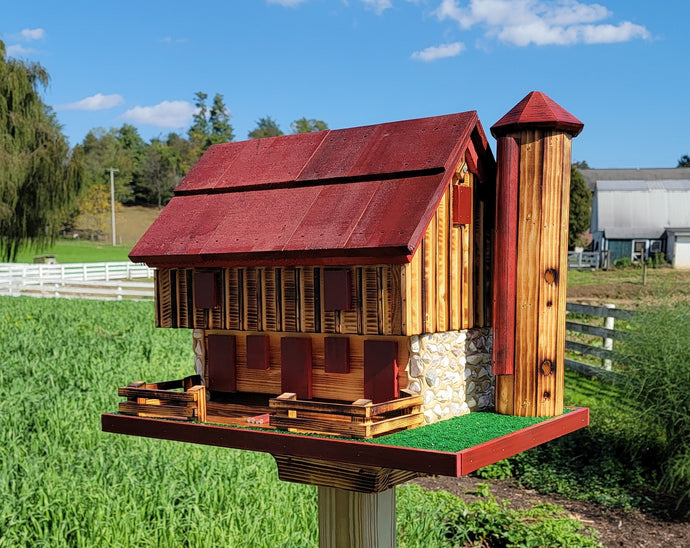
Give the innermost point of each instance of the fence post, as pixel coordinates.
(609, 323)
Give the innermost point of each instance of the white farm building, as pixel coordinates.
(639, 212)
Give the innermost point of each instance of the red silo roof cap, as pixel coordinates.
(537, 110)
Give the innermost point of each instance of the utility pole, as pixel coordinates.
(112, 201)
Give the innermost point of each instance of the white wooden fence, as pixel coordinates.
(104, 281)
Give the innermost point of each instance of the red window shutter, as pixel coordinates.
(462, 205)
(295, 366)
(336, 289)
(337, 354)
(381, 370)
(205, 289)
(258, 352)
(220, 361)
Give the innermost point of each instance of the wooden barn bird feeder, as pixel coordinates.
(373, 287)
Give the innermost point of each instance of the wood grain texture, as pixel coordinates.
(443, 225)
(429, 279)
(350, 519)
(527, 291)
(549, 282)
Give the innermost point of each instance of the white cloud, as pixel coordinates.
(95, 102)
(16, 49)
(378, 6)
(439, 52)
(33, 34)
(541, 22)
(286, 3)
(168, 114)
(171, 40)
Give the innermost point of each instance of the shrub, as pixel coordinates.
(657, 358)
(624, 262)
(441, 519)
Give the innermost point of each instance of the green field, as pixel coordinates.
(78, 251)
(63, 482)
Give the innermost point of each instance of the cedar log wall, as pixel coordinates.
(444, 288)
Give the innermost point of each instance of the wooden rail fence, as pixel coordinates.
(608, 333)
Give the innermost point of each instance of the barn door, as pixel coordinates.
(639, 249)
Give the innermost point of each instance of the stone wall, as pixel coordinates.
(452, 371)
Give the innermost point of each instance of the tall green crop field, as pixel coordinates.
(64, 483)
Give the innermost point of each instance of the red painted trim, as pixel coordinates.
(337, 288)
(380, 370)
(221, 363)
(344, 257)
(205, 289)
(511, 444)
(462, 205)
(295, 366)
(505, 260)
(337, 450)
(336, 354)
(258, 352)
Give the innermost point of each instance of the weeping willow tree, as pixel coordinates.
(39, 176)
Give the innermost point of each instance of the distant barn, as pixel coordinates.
(637, 213)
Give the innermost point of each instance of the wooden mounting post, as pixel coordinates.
(531, 253)
(356, 503)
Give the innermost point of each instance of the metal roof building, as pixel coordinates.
(639, 212)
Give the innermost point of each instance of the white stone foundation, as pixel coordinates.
(452, 371)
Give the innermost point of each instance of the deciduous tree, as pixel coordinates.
(304, 125)
(39, 175)
(684, 161)
(265, 127)
(580, 207)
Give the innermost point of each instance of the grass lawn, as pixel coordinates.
(79, 251)
(625, 287)
(131, 223)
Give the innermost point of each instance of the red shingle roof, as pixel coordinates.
(351, 196)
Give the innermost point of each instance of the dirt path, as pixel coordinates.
(617, 528)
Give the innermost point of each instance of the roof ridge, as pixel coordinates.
(315, 182)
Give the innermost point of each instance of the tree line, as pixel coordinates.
(148, 172)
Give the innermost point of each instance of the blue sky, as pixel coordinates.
(619, 66)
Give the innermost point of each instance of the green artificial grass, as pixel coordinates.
(458, 433)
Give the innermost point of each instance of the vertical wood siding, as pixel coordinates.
(445, 286)
(284, 299)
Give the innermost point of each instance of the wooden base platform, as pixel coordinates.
(361, 453)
